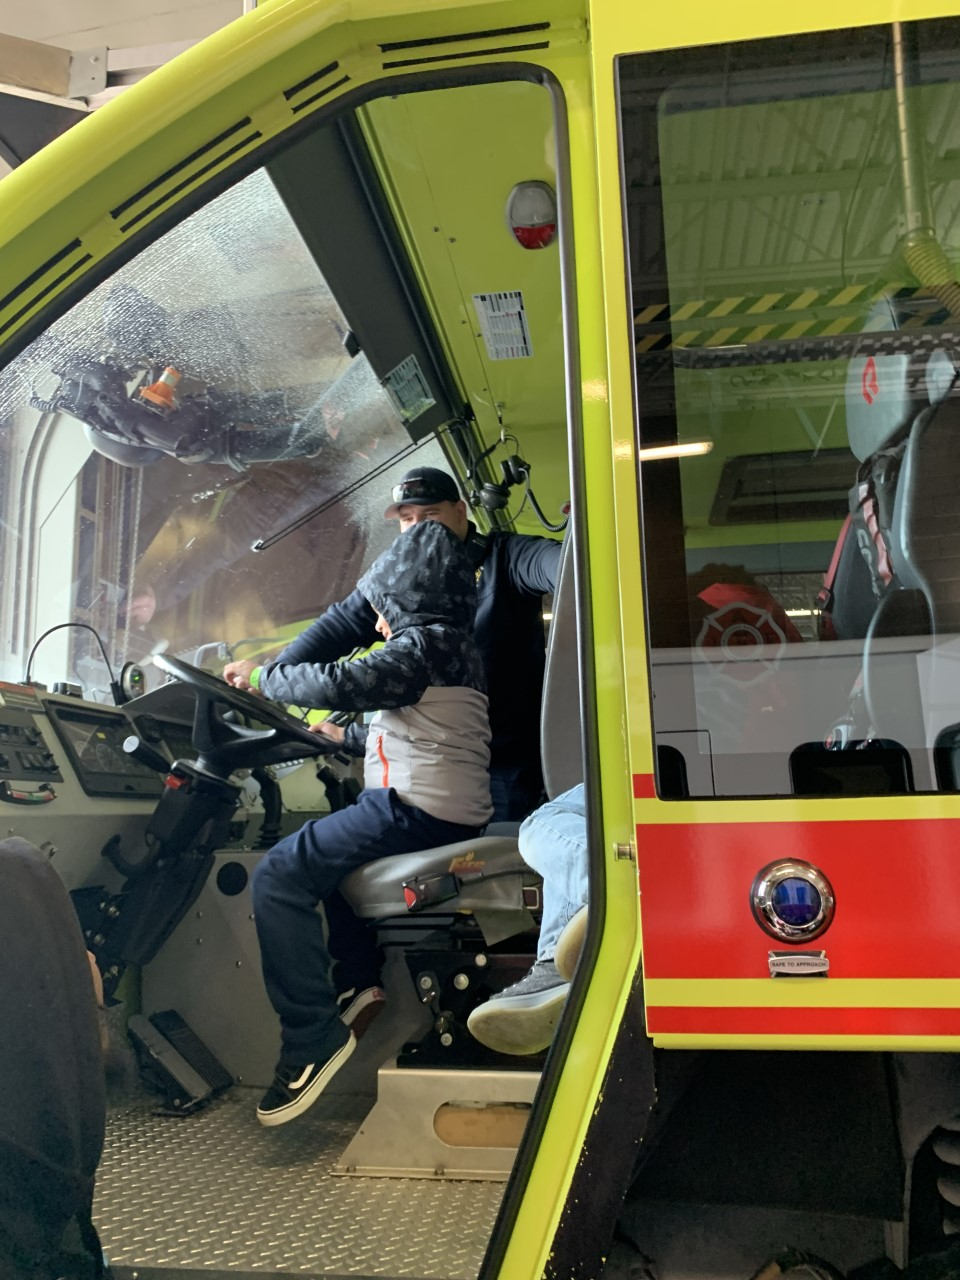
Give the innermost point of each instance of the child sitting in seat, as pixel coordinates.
(425, 776)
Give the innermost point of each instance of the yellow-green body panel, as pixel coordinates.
(250, 71)
(455, 222)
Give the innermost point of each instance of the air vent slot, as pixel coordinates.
(305, 84)
(467, 53)
(498, 33)
(217, 157)
(74, 247)
(321, 94)
(330, 69)
(477, 39)
(40, 272)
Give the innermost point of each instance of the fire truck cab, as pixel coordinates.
(677, 289)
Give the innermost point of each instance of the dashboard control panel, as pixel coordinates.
(92, 738)
(24, 752)
(61, 739)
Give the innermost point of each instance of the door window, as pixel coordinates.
(793, 223)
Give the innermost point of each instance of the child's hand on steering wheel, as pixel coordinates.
(329, 730)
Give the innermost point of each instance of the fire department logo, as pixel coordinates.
(465, 863)
(741, 642)
(869, 382)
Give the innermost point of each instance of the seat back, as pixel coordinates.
(886, 399)
(561, 725)
(903, 422)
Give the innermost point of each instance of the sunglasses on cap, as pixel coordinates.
(419, 490)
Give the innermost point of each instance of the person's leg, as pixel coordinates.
(287, 887)
(522, 1019)
(357, 963)
(553, 841)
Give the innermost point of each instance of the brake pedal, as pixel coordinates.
(177, 1062)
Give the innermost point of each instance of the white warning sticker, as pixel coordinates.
(409, 389)
(503, 323)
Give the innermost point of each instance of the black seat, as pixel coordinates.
(903, 423)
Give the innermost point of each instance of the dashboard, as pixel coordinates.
(93, 741)
(69, 787)
(45, 740)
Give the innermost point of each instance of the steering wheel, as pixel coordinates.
(223, 745)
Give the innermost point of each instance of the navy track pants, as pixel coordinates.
(289, 883)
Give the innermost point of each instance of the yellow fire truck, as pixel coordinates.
(680, 289)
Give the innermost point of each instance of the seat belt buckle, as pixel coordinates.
(427, 892)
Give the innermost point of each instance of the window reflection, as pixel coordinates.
(163, 481)
(793, 208)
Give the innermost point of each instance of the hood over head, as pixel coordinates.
(425, 576)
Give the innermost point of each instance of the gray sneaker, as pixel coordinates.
(522, 1018)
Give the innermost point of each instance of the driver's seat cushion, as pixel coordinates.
(490, 873)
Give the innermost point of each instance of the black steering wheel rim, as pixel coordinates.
(224, 746)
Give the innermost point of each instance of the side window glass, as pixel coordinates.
(792, 212)
(205, 398)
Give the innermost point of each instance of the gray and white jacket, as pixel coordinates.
(430, 738)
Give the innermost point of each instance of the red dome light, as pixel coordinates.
(535, 237)
(532, 214)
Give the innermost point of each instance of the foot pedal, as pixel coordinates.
(176, 1061)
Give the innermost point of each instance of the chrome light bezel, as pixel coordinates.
(761, 900)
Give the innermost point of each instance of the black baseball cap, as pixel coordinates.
(422, 487)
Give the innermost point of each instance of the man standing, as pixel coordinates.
(514, 571)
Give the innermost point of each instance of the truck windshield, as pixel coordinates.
(202, 399)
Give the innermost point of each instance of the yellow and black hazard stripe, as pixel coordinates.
(773, 317)
(808, 349)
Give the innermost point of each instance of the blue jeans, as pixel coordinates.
(290, 882)
(553, 841)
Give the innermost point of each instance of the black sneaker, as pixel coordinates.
(522, 1018)
(296, 1088)
(359, 1008)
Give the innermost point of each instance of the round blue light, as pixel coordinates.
(796, 902)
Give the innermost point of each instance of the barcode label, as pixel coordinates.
(503, 323)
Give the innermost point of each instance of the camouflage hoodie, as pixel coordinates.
(430, 738)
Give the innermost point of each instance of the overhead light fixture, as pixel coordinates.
(689, 450)
(532, 214)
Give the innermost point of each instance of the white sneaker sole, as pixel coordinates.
(508, 1026)
(296, 1107)
(570, 945)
